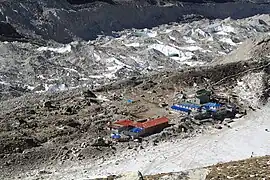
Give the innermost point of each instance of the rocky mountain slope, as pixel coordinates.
(51, 61)
(44, 130)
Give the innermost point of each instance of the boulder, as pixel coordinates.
(101, 142)
(89, 94)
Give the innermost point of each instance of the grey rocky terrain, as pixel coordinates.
(27, 67)
(56, 54)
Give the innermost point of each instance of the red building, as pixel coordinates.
(154, 125)
(146, 128)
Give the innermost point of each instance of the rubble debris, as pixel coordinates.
(101, 142)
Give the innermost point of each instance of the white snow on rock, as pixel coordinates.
(173, 51)
(4, 83)
(250, 89)
(222, 33)
(165, 49)
(172, 38)
(97, 57)
(55, 87)
(228, 41)
(189, 40)
(133, 44)
(152, 34)
(60, 50)
(191, 48)
(225, 28)
(201, 32)
(113, 65)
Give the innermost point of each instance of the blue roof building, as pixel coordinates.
(211, 106)
(186, 107)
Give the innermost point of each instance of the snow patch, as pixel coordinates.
(152, 34)
(173, 51)
(191, 48)
(97, 56)
(225, 28)
(172, 38)
(96, 76)
(113, 65)
(72, 70)
(55, 87)
(165, 49)
(133, 45)
(201, 32)
(61, 50)
(4, 83)
(222, 53)
(228, 41)
(189, 40)
(222, 33)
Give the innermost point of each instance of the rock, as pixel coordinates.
(217, 126)
(74, 150)
(228, 120)
(239, 115)
(267, 130)
(64, 148)
(44, 172)
(32, 111)
(227, 125)
(131, 176)
(69, 110)
(100, 142)
(113, 148)
(47, 104)
(163, 104)
(84, 145)
(89, 94)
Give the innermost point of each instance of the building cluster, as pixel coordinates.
(200, 105)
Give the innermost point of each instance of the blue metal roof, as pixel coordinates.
(176, 107)
(115, 136)
(136, 130)
(210, 104)
(190, 105)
